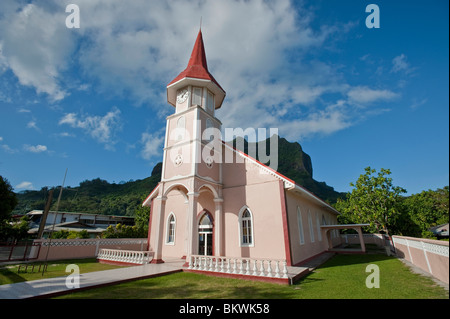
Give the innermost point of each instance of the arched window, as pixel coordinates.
(210, 102)
(171, 223)
(311, 228)
(197, 96)
(181, 127)
(209, 132)
(300, 226)
(319, 231)
(246, 228)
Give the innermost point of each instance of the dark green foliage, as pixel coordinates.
(424, 210)
(94, 197)
(97, 196)
(8, 200)
(124, 231)
(296, 165)
(375, 200)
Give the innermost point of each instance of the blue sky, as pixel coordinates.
(93, 99)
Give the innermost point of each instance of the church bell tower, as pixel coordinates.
(192, 166)
(196, 95)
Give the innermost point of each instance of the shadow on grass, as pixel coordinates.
(353, 259)
(11, 275)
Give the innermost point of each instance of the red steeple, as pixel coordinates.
(197, 67)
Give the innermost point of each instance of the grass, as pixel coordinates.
(342, 277)
(9, 274)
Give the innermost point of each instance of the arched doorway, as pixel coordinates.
(205, 235)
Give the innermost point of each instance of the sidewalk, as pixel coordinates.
(45, 288)
(54, 286)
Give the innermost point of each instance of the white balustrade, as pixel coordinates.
(240, 266)
(125, 256)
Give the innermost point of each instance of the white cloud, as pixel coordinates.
(152, 145)
(101, 128)
(6, 147)
(416, 103)
(400, 64)
(24, 185)
(32, 124)
(35, 149)
(35, 45)
(365, 95)
(257, 50)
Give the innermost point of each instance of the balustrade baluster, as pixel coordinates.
(285, 271)
(261, 269)
(196, 263)
(235, 266)
(277, 269)
(241, 267)
(269, 269)
(255, 268)
(247, 267)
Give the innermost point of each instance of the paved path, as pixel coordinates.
(54, 286)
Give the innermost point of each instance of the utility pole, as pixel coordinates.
(45, 214)
(54, 221)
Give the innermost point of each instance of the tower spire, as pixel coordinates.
(197, 69)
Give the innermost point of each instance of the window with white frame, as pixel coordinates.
(171, 229)
(319, 232)
(181, 127)
(210, 101)
(197, 96)
(246, 228)
(209, 132)
(300, 226)
(311, 228)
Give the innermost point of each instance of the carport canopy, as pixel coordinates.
(357, 227)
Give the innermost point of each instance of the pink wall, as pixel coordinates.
(308, 249)
(176, 204)
(84, 248)
(263, 201)
(427, 254)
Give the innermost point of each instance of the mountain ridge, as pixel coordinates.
(98, 196)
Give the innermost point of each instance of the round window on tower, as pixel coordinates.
(209, 162)
(178, 160)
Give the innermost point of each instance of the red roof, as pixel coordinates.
(197, 66)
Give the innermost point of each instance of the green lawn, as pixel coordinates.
(342, 277)
(10, 274)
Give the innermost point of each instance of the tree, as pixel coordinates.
(427, 209)
(141, 218)
(8, 202)
(373, 200)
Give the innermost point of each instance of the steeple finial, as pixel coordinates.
(200, 23)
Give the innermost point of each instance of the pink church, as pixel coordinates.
(241, 210)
